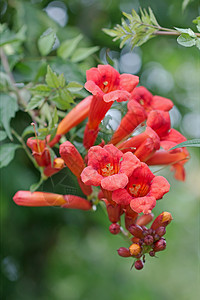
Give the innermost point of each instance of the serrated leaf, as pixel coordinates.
(51, 78)
(8, 108)
(3, 135)
(187, 31)
(46, 41)
(36, 101)
(41, 89)
(82, 53)
(190, 143)
(9, 37)
(61, 80)
(28, 130)
(186, 40)
(54, 119)
(153, 18)
(7, 153)
(67, 47)
(74, 86)
(5, 83)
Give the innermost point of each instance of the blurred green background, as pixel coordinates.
(53, 253)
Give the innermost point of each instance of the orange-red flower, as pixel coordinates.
(150, 102)
(40, 151)
(106, 85)
(58, 164)
(108, 167)
(142, 190)
(26, 198)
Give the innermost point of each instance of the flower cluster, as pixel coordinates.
(116, 174)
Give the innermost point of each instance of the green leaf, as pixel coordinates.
(9, 37)
(74, 86)
(197, 22)
(28, 130)
(82, 53)
(52, 154)
(36, 185)
(51, 78)
(41, 89)
(185, 4)
(5, 83)
(153, 18)
(186, 40)
(186, 30)
(190, 143)
(67, 47)
(46, 41)
(8, 108)
(7, 153)
(3, 135)
(61, 80)
(110, 32)
(35, 102)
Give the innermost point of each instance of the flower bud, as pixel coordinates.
(162, 220)
(124, 252)
(152, 253)
(114, 228)
(145, 219)
(139, 264)
(136, 230)
(161, 231)
(113, 212)
(148, 240)
(160, 245)
(135, 249)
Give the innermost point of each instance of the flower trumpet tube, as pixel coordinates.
(26, 198)
(75, 116)
(40, 151)
(135, 116)
(75, 163)
(106, 85)
(143, 145)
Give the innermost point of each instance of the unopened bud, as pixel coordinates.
(136, 230)
(152, 253)
(160, 245)
(113, 212)
(124, 252)
(148, 240)
(161, 231)
(145, 219)
(139, 264)
(114, 228)
(135, 249)
(162, 220)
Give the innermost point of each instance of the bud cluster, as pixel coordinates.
(146, 240)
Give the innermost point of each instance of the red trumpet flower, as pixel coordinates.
(142, 190)
(107, 85)
(26, 198)
(40, 151)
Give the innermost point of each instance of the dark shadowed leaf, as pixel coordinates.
(7, 153)
(8, 108)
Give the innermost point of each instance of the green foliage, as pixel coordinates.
(190, 143)
(8, 108)
(7, 153)
(81, 53)
(8, 37)
(197, 22)
(67, 48)
(3, 135)
(139, 29)
(187, 38)
(46, 41)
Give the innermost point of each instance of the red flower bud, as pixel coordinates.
(136, 230)
(114, 228)
(152, 253)
(160, 245)
(145, 219)
(113, 212)
(139, 264)
(162, 220)
(148, 240)
(124, 252)
(161, 231)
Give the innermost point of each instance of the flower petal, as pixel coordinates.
(91, 177)
(128, 82)
(93, 88)
(129, 163)
(159, 187)
(114, 182)
(121, 197)
(143, 204)
(118, 95)
(98, 156)
(161, 103)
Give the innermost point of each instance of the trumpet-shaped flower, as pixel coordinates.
(142, 190)
(40, 151)
(108, 167)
